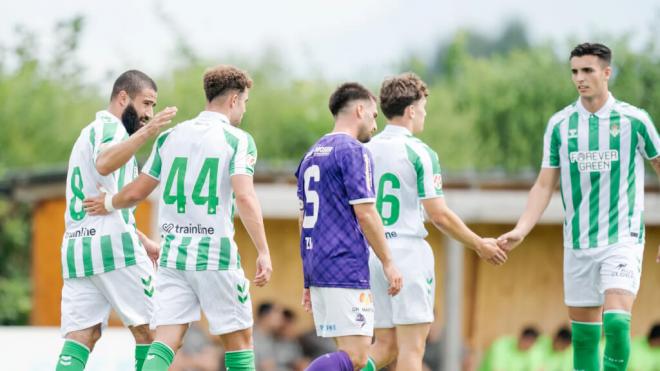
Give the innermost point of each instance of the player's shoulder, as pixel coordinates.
(636, 113)
(563, 114)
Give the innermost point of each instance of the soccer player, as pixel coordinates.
(337, 219)
(204, 163)
(408, 182)
(104, 260)
(596, 146)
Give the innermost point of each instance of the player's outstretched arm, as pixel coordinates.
(249, 211)
(372, 227)
(129, 196)
(114, 157)
(448, 222)
(537, 201)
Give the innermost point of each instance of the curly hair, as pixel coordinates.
(220, 79)
(399, 92)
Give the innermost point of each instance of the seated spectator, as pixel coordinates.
(645, 351)
(267, 321)
(289, 355)
(558, 354)
(514, 354)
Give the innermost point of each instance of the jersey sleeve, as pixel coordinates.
(245, 156)
(300, 185)
(105, 135)
(649, 144)
(357, 173)
(426, 165)
(153, 166)
(551, 142)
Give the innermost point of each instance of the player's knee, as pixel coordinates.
(389, 345)
(142, 334)
(360, 360)
(616, 325)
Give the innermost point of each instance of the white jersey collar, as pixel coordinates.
(396, 130)
(603, 112)
(211, 116)
(106, 113)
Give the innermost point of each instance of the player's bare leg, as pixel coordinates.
(616, 325)
(357, 348)
(143, 338)
(411, 341)
(239, 353)
(76, 349)
(384, 350)
(167, 341)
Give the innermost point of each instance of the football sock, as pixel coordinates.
(616, 325)
(242, 360)
(73, 356)
(141, 351)
(159, 357)
(586, 336)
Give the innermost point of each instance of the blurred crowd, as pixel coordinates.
(280, 346)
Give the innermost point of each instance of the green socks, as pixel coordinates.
(159, 357)
(586, 336)
(617, 340)
(141, 351)
(73, 357)
(241, 360)
(370, 366)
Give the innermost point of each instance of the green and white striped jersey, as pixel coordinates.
(196, 160)
(406, 171)
(600, 157)
(98, 244)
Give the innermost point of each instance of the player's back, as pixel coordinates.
(194, 162)
(97, 244)
(406, 171)
(334, 175)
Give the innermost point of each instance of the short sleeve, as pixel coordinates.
(245, 154)
(428, 175)
(105, 135)
(153, 166)
(649, 144)
(551, 142)
(357, 173)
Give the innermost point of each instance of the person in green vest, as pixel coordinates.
(645, 354)
(558, 354)
(514, 354)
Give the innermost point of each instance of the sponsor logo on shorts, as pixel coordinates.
(328, 328)
(365, 304)
(623, 271)
(360, 319)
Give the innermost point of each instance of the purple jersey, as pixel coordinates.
(335, 174)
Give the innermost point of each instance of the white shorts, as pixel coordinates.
(86, 301)
(414, 303)
(588, 273)
(224, 296)
(342, 312)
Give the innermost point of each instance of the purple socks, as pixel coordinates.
(337, 361)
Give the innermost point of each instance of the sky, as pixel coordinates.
(338, 39)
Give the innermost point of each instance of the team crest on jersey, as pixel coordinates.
(250, 160)
(572, 133)
(437, 181)
(614, 130)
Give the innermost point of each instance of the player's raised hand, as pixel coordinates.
(159, 120)
(488, 250)
(95, 205)
(264, 270)
(151, 246)
(510, 240)
(394, 278)
(306, 300)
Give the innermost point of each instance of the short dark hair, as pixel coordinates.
(529, 331)
(264, 309)
(599, 50)
(563, 334)
(654, 333)
(220, 79)
(399, 92)
(132, 82)
(289, 315)
(346, 93)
